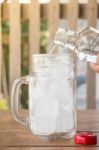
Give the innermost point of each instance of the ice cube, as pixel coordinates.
(46, 110)
(62, 91)
(65, 120)
(49, 103)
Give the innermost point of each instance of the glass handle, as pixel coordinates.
(15, 99)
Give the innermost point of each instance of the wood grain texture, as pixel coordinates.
(4, 82)
(13, 134)
(5, 11)
(25, 11)
(34, 28)
(53, 18)
(72, 18)
(72, 14)
(15, 41)
(63, 10)
(0, 51)
(51, 148)
(91, 78)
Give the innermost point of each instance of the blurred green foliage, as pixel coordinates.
(24, 52)
(3, 104)
(44, 36)
(5, 27)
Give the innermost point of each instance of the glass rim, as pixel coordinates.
(46, 59)
(51, 56)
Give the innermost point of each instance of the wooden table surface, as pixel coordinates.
(14, 136)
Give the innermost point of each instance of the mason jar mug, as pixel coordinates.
(52, 113)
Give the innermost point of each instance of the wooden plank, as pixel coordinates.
(53, 18)
(72, 14)
(4, 83)
(13, 134)
(91, 86)
(25, 11)
(15, 42)
(25, 15)
(34, 29)
(2, 65)
(5, 39)
(0, 51)
(84, 117)
(82, 10)
(5, 11)
(51, 148)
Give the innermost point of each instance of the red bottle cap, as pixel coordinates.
(85, 138)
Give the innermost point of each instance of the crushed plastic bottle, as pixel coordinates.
(64, 39)
(84, 44)
(87, 45)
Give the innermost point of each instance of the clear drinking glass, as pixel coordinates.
(52, 113)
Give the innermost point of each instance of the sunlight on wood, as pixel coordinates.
(25, 1)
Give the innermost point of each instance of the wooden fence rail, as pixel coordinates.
(52, 12)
